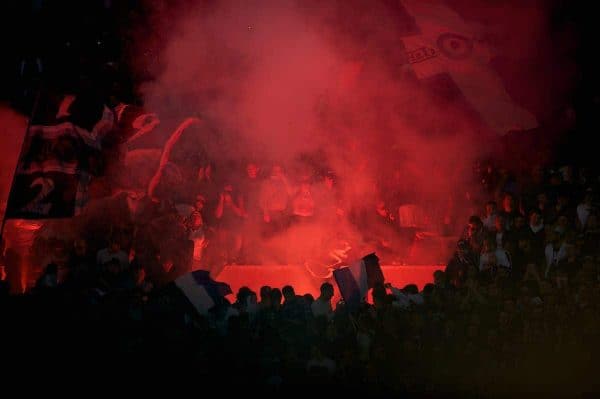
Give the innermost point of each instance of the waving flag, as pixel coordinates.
(201, 290)
(445, 50)
(56, 161)
(355, 280)
(138, 128)
(162, 155)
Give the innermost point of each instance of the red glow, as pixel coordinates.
(278, 80)
(12, 130)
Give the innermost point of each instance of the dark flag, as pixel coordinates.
(355, 280)
(202, 291)
(138, 128)
(373, 270)
(57, 160)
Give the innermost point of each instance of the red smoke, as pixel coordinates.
(277, 82)
(282, 79)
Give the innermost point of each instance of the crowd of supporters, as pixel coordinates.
(515, 310)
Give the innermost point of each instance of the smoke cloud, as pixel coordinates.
(327, 88)
(321, 87)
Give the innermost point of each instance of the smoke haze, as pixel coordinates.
(326, 86)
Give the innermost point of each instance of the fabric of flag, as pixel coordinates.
(56, 160)
(445, 48)
(373, 270)
(355, 280)
(185, 151)
(138, 128)
(141, 135)
(162, 154)
(201, 290)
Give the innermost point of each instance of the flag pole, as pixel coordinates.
(14, 176)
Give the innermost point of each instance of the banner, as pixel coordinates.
(57, 161)
(445, 50)
(355, 280)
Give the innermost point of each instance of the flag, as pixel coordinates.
(201, 290)
(140, 134)
(355, 280)
(445, 51)
(179, 155)
(162, 155)
(59, 151)
(373, 270)
(138, 128)
(54, 169)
